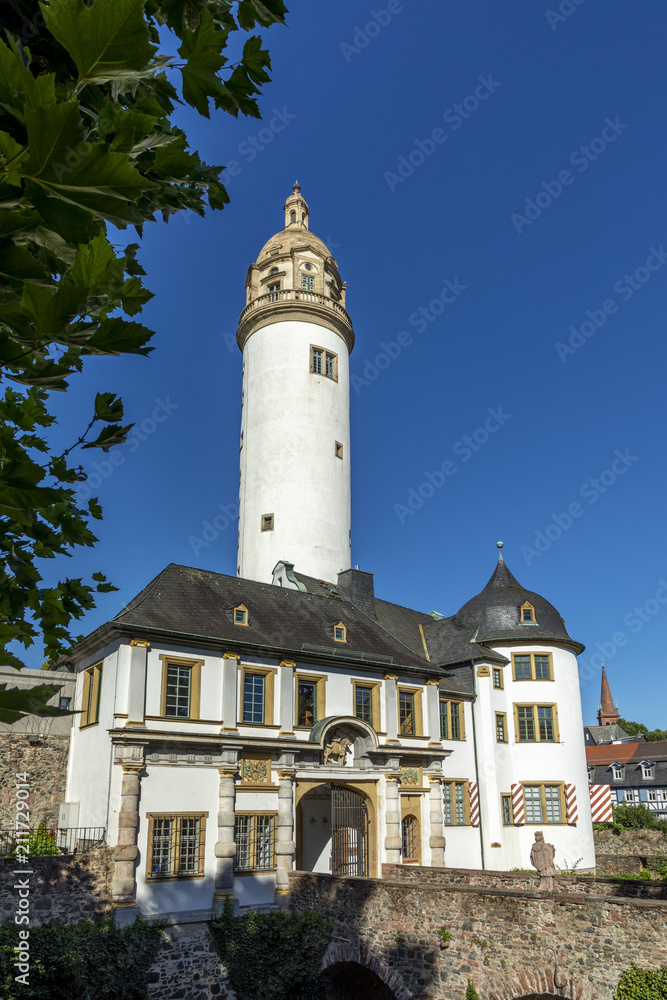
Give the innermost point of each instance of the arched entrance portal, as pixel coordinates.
(333, 826)
(350, 981)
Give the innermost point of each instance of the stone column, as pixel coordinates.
(225, 848)
(390, 708)
(136, 695)
(125, 852)
(285, 845)
(287, 668)
(392, 818)
(230, 673)
(437, 839)
(433, 712)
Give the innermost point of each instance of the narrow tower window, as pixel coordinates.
(308, 282)
(316, 360)
(330, 366)
(267, 522)
(339, 450)
(292, 217)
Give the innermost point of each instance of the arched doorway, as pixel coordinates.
(335, 832)
(350, 981)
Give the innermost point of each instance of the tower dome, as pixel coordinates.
(296, 338)
(295, 271)
(506, 611)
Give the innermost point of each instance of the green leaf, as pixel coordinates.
(108, 407)
(18, 86)
(18, 265)
(107, 40)
(120, 336)
(109, 437)
(202, 49)
(17, 702)
(97, 268)
(134, 296)
(51, 310)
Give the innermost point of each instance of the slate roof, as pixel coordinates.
(595, 735)
(494, 614)
(626, 753)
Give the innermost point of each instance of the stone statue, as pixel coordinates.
(336, 751)
(542, 858)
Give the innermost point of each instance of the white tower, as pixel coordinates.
(296, 338)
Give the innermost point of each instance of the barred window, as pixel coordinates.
(255, 836)
(497, 678)
(316, 360)
(329, 364)
(410, 838)
(176, 845)
(323, 362)
(456, 804)
(506, 802)
(543, 803)
(501, 731)
(444, 720)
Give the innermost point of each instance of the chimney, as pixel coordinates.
(356, 586)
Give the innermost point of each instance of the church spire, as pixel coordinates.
(608, 713)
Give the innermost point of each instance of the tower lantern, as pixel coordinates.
(296, 338)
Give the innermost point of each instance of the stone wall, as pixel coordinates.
(512, 943)
(629, 842)
(46, 764)
(63, 889)
(188, 967)
(446, 877)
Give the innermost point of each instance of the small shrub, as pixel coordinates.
(471, 992)
(272, 956)
(637, 818)
(40, 843)
(444, 933)
(642, 984)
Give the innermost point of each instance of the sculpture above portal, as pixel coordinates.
(336, 750)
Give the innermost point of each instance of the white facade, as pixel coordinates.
(294, 500)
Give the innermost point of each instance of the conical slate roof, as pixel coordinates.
(495, 613)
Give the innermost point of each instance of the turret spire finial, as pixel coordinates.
(500, 551)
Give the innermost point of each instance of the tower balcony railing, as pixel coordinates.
(295, 295)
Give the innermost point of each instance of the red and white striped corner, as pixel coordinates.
(601, 803)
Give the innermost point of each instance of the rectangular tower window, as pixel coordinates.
(253, 698)
(307, 282)
(363, 707)
(508, 819)
(330, 364)
(323, 362)
(316, 360)
(339, 450)
(273, 291)
(501, 730)
(267, 522)
(497, 678)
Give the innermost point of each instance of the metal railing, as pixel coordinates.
(41, 842)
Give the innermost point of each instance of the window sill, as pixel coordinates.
(89, 725)
(254, 871)
(173, 878)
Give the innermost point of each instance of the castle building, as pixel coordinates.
(236, 727)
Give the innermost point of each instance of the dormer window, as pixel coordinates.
(647, 770)
(240, 615)
(617, 772)
(274, 270)
(528, 614)
(340, 632)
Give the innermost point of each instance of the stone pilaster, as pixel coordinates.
(230, 678)
(391, 708)
(136, 695)
(285, 845)
(287, 668)
(436, 841)
(392, 840)
(125, 852)
(225, 848)
(433, 712)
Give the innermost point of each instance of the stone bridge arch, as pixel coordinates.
(344, 954)
(541, 984)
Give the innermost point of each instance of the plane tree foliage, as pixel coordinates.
(87, 94)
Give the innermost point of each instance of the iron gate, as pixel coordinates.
(349, 832)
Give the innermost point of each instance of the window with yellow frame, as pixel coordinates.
(175, 845)
(90, 699)
(532, 667)
(310, 694)
(456, 803)
(536, 723)
(452, 720)
(181, 685)
(544, 803)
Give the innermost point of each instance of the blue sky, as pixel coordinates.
(516, 152)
